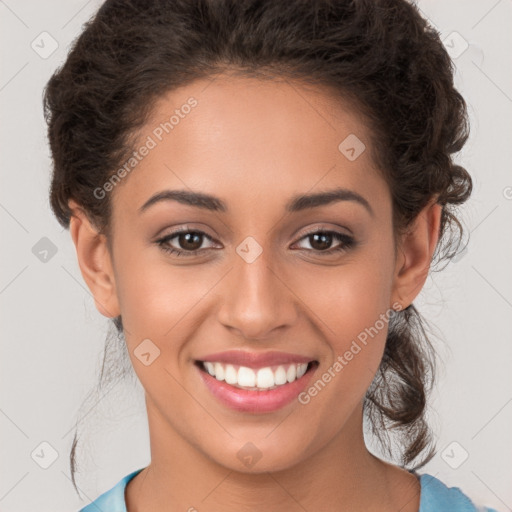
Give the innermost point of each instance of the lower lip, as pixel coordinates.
(243, 400)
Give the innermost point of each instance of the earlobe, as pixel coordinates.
(415, 254)
(94, 261)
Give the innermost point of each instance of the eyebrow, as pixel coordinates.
(295, 204)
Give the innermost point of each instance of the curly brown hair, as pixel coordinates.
(382, 55)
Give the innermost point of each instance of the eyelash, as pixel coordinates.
(348, 242)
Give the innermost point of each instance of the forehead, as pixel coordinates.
(247, 140)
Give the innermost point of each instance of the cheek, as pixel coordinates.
(348, 299)
(157, 298)
(353, 306)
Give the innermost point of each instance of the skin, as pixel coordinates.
(255, 144)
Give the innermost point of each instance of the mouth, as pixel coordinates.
(256, 379)
(255, 389)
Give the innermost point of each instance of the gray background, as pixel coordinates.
(53, 337)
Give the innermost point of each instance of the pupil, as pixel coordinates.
(188, 237)
(325, 238)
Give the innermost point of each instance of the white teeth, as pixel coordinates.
(301, 370)
(219, 371)
(263, 378)
(210, 367)
(280, 376)
(231, 374)
(246, 377)
(291, 374)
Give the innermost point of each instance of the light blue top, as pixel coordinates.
(434, 497)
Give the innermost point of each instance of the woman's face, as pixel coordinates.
(252, 278)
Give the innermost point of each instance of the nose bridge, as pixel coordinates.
(255, 299)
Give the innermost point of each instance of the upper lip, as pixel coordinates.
(255, 359)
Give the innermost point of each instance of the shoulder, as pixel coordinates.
(437, 497)
(112, 500)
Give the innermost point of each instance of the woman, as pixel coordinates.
(256, 191)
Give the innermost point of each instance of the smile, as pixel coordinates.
(255, 390)
(269, 377)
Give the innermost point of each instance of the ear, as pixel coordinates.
(414, 254)
(94, 260)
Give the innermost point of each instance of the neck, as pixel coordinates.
(342, 475)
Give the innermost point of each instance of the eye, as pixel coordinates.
(189, 240)
(320, 240)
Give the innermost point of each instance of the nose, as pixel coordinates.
(257, 298)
